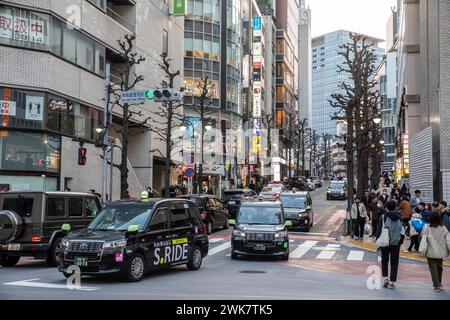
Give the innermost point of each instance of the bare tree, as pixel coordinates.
(204, 110)
(169, 117)
(128, 81)
(292, 134)
(268, 121)
(300, 136)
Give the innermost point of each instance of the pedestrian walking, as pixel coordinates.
(445, 214)
(435, 245)
(423, 211)
(359, 216)
(414, 234)
(376, 210)
(415, 199)
(392, 221)
(405, 212)
(366, 199)
(384, 197)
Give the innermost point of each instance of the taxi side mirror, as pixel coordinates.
(134, 228)
(65, 228)
(288, 223)
(232, 222)
(308, 208)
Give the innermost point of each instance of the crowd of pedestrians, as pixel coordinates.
(391, 214)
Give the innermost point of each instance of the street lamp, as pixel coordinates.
(377, 119)
(382, 141)
(99, 130)
(183, 127)
(208, 126)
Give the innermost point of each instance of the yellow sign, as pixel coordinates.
(179, 241)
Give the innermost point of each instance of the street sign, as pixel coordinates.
(179, 7)
(257, 23)
(189, 172)
(133, 96)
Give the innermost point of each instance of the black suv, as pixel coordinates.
(337, 190)
(129, 238)
(298, 209)
(30, 222)
(260, 230)
(233, 199)
(212, 210)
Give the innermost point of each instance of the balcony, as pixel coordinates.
(117, 10)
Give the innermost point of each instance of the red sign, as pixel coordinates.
(251, 168)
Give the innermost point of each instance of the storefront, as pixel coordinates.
(31, 127)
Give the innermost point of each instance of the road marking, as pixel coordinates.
(355, 255)
(228, 255)
(219, 248)
(290, 241)
(32, 283)
(308, 233)
(333, 245)
(302, 249)
(214, 240)
(325, 255)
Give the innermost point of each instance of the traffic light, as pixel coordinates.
(149, 94)
(166, 94)
(81, 156)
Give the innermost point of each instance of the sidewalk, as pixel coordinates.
(369, 245)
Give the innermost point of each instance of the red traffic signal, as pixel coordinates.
(81, 156)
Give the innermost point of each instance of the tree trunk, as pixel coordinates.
(350, 174)
(124, 157)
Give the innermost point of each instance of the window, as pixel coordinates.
(159, 220)
(55, 207)
(69, 45)
(75, 207)
(165, 41)
(23, 206)
(179, 215)
(91, 207)
(101, 4)
(85, 52)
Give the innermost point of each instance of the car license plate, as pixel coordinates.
(231, 202)
(13, 247)
(260, 247)
(81, 261)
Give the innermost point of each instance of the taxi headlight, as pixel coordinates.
(64, 242)
(281, 234)
(115, 244)
(239, 233)
(301, 214)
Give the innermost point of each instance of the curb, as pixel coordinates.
(372, 248)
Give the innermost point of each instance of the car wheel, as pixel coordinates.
(67, 275)
(328, 198)
(226, 225)
(306, 229)
(136, 268)
(8, 261)
(233, 255)
(195, 259)
(285, 257)
(209, 228)
(53, 252)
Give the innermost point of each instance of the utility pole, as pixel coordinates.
(106, 119)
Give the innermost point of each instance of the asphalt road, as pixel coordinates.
(319, 268)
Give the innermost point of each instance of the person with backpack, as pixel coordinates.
(390, 251)
(358, 214)
(415, 228)
(435, 245)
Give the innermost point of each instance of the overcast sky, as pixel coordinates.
(363, 16)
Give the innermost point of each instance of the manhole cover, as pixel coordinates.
(252, 271)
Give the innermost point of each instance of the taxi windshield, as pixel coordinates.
(260, 215)
(293, 202)
(336, 185)
(119, 218)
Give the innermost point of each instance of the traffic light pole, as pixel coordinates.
(106, 136)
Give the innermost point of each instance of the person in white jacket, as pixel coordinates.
(435, 245)
(359, 216)
(413, 234)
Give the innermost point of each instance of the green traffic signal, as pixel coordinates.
(149, 94)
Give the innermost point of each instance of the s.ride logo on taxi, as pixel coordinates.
(171, 251)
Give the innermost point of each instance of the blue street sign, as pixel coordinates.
(257, 23)
(189, 172)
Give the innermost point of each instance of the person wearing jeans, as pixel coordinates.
(391, 220)
(359, 216)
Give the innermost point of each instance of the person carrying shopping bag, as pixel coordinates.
(390, 236)
(435, 245)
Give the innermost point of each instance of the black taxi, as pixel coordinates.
(129, 238)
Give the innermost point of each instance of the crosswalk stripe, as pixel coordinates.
(228, 255)
(333, 245)
(219, 248)
(302, 249)
(355, 255)
(214, 240)
(325, 255)
(290, 241)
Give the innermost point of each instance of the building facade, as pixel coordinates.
(326, 78)
(423, 97)
(52, 89)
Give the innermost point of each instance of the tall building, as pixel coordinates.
(305, 64)
(52, 90)
(423, 97)
(326, 78)
(213, 49)
(287, 20)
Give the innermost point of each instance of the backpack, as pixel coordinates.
(418, 225)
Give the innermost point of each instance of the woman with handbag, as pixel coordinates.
(389, 238)
(435, 245)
